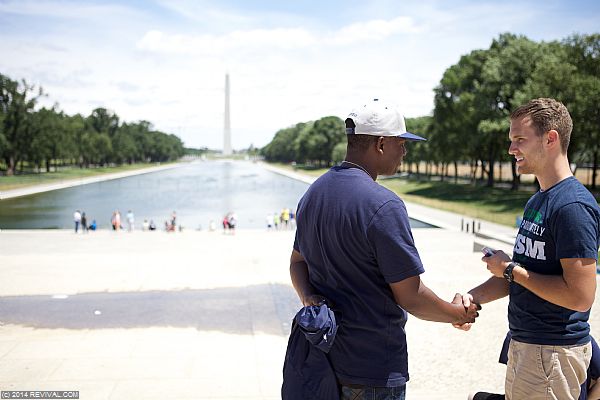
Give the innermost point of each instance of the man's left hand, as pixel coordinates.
(497, 263)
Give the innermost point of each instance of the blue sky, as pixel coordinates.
(289, 61)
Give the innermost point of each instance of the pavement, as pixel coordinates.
(204, 315)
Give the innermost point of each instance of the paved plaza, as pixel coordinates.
(203, 315)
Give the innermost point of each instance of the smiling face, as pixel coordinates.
(526, 146)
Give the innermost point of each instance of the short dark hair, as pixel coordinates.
(547, 114)
(359, 142)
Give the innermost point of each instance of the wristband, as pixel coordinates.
(508, 272)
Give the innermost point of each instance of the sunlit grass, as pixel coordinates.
(502, 206)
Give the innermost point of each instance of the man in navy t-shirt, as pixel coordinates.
(355, 250)
(551, 279)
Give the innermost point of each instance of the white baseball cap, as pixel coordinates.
(378, 118)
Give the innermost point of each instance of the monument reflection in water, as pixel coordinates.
(199, 192)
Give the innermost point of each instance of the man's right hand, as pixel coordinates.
(313, 300)
(470, 311)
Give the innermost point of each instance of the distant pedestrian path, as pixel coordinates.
(67, 183)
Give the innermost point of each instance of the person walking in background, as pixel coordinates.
(84, 227)
(118, 220)
(285, 217)
(269, 221)
(130, 221)
(173, 220)
(551, 279)
(77, 219)
(276, 220)
(232, 222)
(225, 223)
(354, 251)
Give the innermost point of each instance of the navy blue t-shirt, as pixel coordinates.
(561, 222)
(355, 237)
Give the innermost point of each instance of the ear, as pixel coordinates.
(380, 144)
(552, 138)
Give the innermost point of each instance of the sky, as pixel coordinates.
(165, 61)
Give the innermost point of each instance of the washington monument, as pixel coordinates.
(227, 127)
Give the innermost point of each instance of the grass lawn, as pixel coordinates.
(491, 204)
(20, 181)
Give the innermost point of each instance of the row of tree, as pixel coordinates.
(473, 101)
(308, 143)
(46, 136)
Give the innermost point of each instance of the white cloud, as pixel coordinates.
(278, 38)
(287, 39)
(373, 30)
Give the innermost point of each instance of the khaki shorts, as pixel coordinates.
(541, 372)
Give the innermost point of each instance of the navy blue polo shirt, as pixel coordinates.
(355, 237)
(561, 222)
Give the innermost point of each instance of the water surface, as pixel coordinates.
(199, 193)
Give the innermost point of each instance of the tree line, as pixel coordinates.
(47, 137)
(472, 103)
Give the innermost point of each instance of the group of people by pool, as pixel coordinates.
(278, 220)
(81, 221)
(285, 219)
(116, 222)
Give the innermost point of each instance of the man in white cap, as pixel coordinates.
(354, 249)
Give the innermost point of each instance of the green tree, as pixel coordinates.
(419, 151)
(512, 59)
(307, 145)
(327, 133)
(456, 114)
(474, 99)
(584, 52)
(339, 152)
(76, 127)
(44, 144)
(104, 121)
(282, 148)
(124, 146)
(17, 101)
(102, 147)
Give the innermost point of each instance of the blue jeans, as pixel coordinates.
(374, 393)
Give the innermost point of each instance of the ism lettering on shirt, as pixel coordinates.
(529, 247)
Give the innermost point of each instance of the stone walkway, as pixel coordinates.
(202, 315)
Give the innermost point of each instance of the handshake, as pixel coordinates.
(467, 312)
